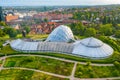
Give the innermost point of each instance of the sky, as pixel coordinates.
(56, 2)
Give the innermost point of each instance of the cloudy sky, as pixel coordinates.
(56, 2)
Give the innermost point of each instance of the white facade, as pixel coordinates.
(61, 34)
(93, 48)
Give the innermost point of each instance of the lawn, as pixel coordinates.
(40, 63)
(84, 71)
(38, 36)
(111, 59)
(7, 50)
(16, 74)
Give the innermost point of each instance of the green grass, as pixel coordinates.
(111, 59)
(37, 36)
(7, 50)
(83, 71)
(4, 37)
(16, 74)
(40, 63)
(0, 61)
(32, 36)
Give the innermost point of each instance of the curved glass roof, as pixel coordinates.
(91, 42)
(93, 48)
(89, 47)
(26, 46)
(60, 34)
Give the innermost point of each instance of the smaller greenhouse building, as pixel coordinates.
(92, 48)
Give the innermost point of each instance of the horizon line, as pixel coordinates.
(56, 5)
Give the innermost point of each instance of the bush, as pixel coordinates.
(11, 32)
(117, 34)
(113, 43)
(2, 33)
(88, 63)
(90, 32)
(80, 73)
(1, 46)
(117, 64)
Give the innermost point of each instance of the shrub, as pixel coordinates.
(88, 63)
(117, 64)
(1, 46)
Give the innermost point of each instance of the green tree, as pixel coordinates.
(106, 30)
(2, 23)
(7, 30)
(1, 45)
(45, 20)
(117, 34)
(27, 29)
(77, 28)
(90, 32)
(11, 32)
(117, 64)
(1, 33)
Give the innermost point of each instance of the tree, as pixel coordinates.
(88, 63)
(2, 23)
(45, 20)
(106, 30)
(117, 64)
(24, 33)
(7, 30)
(117, 34)
(90, 32)
(1, 33)
(77, 28)
(1, 46)
(11, 32)
(27, 29)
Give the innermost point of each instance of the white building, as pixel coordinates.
(92, 48)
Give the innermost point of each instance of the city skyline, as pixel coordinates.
(56, 2)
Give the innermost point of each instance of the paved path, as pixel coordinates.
(73, 71)
(3, 58)
(111, 78)
(52, 74)
(71, 77)
(62, 59)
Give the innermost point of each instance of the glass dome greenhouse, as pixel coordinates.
(61, 34)
(93, 48)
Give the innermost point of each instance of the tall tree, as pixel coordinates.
(90, 32)
(11, 32)
(106, 30)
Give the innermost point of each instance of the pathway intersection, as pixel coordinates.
(71, 77)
